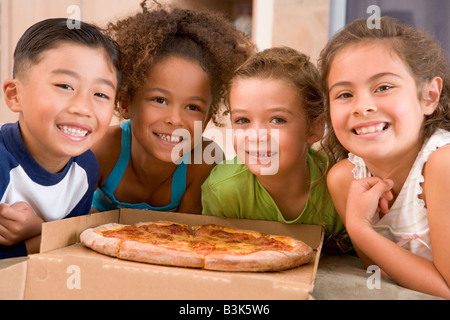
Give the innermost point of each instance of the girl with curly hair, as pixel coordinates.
(388, 115)
(175, 63)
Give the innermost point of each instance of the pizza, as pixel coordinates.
(210, 246)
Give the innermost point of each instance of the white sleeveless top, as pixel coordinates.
(407, 223)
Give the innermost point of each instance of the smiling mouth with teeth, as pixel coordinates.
(371, 129)
(169, 138)
(261, 154)
(265, 155)
(75, 132)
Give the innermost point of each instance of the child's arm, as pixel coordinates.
(436, 190)
(18, 222)
(403, 266)
(372, 248)
(339, 180)
(107, 151)
(191, 202)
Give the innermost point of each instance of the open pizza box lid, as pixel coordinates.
(66, 269)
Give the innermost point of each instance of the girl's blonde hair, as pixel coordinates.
(291, 66)
(421, 53)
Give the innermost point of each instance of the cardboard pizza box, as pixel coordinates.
(66, 269)
(13, 274)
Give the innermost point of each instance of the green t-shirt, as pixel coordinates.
(232, 191)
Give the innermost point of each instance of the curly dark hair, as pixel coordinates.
(161, 31)
(423, 55)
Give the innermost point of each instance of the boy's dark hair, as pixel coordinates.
(49, 33)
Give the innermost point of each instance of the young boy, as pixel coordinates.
(64, 87)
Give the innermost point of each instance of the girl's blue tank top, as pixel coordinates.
(104, 198)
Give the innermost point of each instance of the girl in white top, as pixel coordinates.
(388, 93)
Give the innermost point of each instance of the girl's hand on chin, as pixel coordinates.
(367, 197)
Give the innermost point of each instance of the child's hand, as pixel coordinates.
(18, 222)
(366, 197)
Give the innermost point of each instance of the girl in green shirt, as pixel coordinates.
(276, 107)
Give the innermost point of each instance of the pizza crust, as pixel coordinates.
(257, 261)
(266, 260)
(149, 253)
(94, 240)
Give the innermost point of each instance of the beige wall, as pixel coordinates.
(301, 24)
(18, 15)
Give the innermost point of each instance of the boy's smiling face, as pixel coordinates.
(65, 102)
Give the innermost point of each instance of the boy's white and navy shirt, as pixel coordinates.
(52, 196)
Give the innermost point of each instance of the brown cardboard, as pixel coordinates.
(13, 274)
(65, 269)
